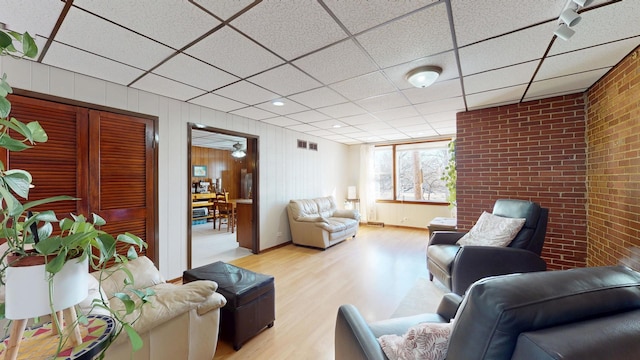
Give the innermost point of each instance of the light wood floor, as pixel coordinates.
(374, 271)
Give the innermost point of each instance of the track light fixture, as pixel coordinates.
(569, 17)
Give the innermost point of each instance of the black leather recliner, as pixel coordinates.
(457, 267)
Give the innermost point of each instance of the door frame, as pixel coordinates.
(252, 145)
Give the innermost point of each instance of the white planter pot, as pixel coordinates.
(27, 289)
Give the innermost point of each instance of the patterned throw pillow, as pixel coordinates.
(425, 341)
(492, 230)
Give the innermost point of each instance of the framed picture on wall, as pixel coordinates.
(199, 170)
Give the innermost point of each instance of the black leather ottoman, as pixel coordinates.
(250, 299)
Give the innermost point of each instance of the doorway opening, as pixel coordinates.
(223, 195)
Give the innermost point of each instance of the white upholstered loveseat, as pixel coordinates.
(319, 223)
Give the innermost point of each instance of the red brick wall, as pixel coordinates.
(534, 151)
(613, 163)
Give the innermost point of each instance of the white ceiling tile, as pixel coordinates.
(302, 127)
(318, 98)
(416, 120)
(82, 30)
(338, 62)
(446, 61)
(496, 97)
(500, 78)
(602, 56)
(281, 121)
(479, 20)
(328, 124)
(285, 80)
(438, 91)
(394, 136)
(224, 9)
(66, 57)
(290, 28)
(346, 130)
(399, 42)
(359, 119)
(253, 113)
(337, 137)
(357, 17)
(194, 72)
(320, 132)
(384, 102)
(289, 107)
(418, 131)
(309, 116)
(232, 52)
(518, 47)
(615, 21)
(439, 106)
(448, 118)
(364, 86)
(217, 102)
(247, 93)
(397, 113)
(342, 110)
(169, 88)
(566, 84)
(37, 18)
(372, 126)
(173, 23)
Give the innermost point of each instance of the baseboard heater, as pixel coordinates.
(375, 223)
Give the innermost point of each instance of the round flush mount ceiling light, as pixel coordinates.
(423, 76)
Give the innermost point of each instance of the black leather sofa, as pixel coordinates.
(586, 313)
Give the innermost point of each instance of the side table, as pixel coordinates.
(41, 342)
(443, 224)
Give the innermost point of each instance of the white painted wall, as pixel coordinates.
(285, 171)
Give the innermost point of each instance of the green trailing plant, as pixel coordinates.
(450, 175)
(40, 233)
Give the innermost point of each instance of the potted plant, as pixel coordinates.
(450, 176)
(41, 236)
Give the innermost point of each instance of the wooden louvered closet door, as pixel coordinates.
(107, 160)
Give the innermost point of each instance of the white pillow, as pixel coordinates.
(425, 341)
(492, 230)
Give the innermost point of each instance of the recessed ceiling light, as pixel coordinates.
(336, 126)
(277, 103)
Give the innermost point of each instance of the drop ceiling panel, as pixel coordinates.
(288, 28)
(603, 56)
(253, 113)
(281, 121)
(37, 18)
(83, 30)
(285, 80)
(446, 61)
(303, 128)
(320, 133)
(397, 113)
(384, 102)
(417, 35)
(309, 116)
(169, 88)
(338, 62)
(217, 102)
(416, 120)
(479, 20)
(247, 93)
(194, 72)
(342, 110)
(173, 23)
(438, 91)
(317, 98)
(451, 104)
(328, 124)
(359, 119)
(500, 78)
(346, 130)
(223, 9)
(357, 17)
(66, 57)
(234, 53)
(288, 108)
(364, 86)
(372, 126)
(496, 97)
(519, 47)
(566, 84)
(608, 23)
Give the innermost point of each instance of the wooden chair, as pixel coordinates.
(224, 210)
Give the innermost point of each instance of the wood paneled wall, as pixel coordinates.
(220, 164)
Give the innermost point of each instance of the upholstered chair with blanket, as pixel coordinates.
(509, 240)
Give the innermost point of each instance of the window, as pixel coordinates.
(411, 172)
